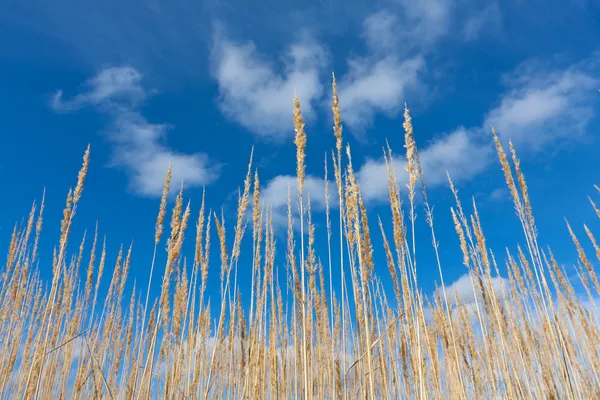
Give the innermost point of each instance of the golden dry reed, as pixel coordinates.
(529, 335)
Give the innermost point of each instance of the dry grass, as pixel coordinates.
(534, 338)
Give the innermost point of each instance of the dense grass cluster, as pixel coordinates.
(533, 338)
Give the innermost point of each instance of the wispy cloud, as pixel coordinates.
(257, 93)
(463, 288)
(499, 195)
(110, 85)
(138, 149)
(378, 81)
(138, 144)
(275, 195)
(425, 21)
(545, 104)
(462, 291)
(459, 153)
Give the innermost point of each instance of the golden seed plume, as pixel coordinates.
(337, 118)
(507, 171)
(411, 147)
(300, 142)
(461, 237)
(163, 206)
(596, 210)
(90, 270)
(176, 215)
(81, 176)
(198, 258)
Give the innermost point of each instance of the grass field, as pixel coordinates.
(534, 338)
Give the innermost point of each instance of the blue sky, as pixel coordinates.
(199, 83)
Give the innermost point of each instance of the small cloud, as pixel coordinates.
(543, 105)
(375, 85)
(463, 288)
(139, 151)
(379, 31)
(464, 292)
(275, 195)
(459, 153)
(380, 80)
(138, 144)
(499, 195)
(256, 95)
(373, 178)
(276, 191)
(111, 84)
(424, 22)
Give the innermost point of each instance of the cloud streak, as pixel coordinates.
(543, 105)
(109, 85)
(138, 146)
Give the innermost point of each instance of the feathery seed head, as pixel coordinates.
(81, 176)
(300, 142)
(176, 215)
(163, 206)
(198, 259)
(411, 146)
(337, 118)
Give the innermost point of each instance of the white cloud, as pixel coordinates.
(425, 21)
(500, 195)
(275, 194)
(421, 24)
(380, 80)
(399, 41)
(380, 31)
(376, 85)
(462, 291)
(542, 105)
(460, 153)
(138, 146)
(276, 191)
(463, 288)
(139, 151)
(372, 177)
(256, 95)
(115, 83)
